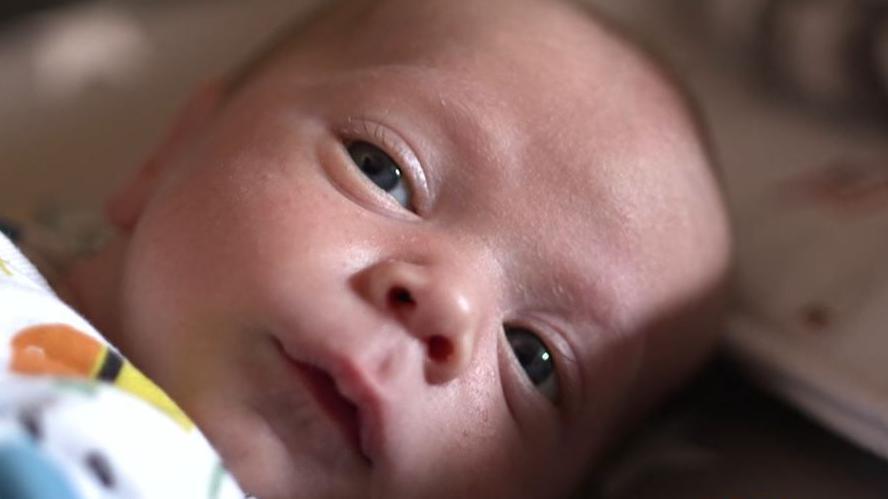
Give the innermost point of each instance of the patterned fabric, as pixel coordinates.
(77, 420)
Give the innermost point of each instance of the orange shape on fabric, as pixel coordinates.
(56, 349)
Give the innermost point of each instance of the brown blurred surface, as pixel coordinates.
(724, 438)
(88, 88)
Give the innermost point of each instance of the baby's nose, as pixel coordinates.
(434, 306)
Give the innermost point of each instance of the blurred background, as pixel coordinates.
(87, 86)
(796, 96)
(13, 9)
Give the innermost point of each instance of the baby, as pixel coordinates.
(419, 249)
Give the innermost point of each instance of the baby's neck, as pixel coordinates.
(76, 253)
(53, 237)
(92, 286)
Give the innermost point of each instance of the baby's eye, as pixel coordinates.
(382, 170)
(536, 360)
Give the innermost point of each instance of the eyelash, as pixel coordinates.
(368, 131)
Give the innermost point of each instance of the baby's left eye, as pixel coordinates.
(382, 170)
(536, 360)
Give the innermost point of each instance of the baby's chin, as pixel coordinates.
(265, 467)
(275, 439)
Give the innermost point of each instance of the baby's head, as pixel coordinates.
(420, 249)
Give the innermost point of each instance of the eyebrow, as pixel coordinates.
(466, 126)
(571, 291)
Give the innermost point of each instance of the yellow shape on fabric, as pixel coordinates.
(133, 381)
(61, 350)
(4, 267)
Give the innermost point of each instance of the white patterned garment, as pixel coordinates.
(77, 421)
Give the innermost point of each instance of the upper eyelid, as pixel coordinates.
(396, 147)
(569, 369)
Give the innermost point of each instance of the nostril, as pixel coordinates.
(400, 296)
(440, 349)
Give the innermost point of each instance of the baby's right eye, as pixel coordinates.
(536, 360)
(382, 170)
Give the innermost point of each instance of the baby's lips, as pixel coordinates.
(356, 387)
(346, 395)
(344, 413)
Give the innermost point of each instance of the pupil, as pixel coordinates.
(377, 165)
(525, 355)
(538, 366)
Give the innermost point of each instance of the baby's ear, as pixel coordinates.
(125, 206)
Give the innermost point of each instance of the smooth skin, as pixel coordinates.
(551, 181)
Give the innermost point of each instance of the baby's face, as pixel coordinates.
(421, 258)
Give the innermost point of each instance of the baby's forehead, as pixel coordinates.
(559, 60)
(381, 32)
(535, 62)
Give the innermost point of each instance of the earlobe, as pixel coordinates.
(125, 206)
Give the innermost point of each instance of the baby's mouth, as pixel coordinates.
(342, 411)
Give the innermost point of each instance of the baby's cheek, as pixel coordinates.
(464, 441)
